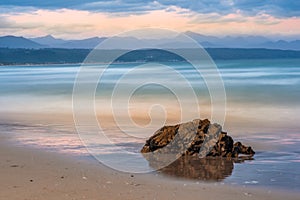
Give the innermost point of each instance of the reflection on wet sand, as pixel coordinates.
(206, 169)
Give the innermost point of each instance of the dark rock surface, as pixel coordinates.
(197, 138)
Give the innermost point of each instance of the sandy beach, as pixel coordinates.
(30, 173)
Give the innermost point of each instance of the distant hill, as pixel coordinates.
(48, 40)
(281, 44)
(89, 43)
(60, 56)
(51, 42)
(244, 41)
(228, 41)
(201, 38)
(18, 42)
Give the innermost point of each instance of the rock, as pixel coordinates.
(198, 138)
(240, 148)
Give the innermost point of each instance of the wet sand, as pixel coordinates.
(30, 173)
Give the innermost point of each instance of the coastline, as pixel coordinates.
(31, 173)
(75, 63)
(78, 56)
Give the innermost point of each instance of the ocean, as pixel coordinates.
(260, 107)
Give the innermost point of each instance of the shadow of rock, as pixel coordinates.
(205, 169)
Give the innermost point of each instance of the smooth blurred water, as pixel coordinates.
(263, 110)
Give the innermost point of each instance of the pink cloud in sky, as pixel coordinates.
(67, 23)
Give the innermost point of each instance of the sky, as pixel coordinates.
(77, 19)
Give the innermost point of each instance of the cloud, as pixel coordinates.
(80, 18)
(215, 18)
(75, 24)
(278, 8)
(119, 6)
(7, 23)
(67, 23)
(44, 4)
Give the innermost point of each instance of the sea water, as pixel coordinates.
(262, 110)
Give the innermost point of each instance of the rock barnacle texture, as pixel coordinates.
(198, 137)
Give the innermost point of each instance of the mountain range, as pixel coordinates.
(128, 42)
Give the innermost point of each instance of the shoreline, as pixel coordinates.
(216, 54)
(32, 173)
(120, 63)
